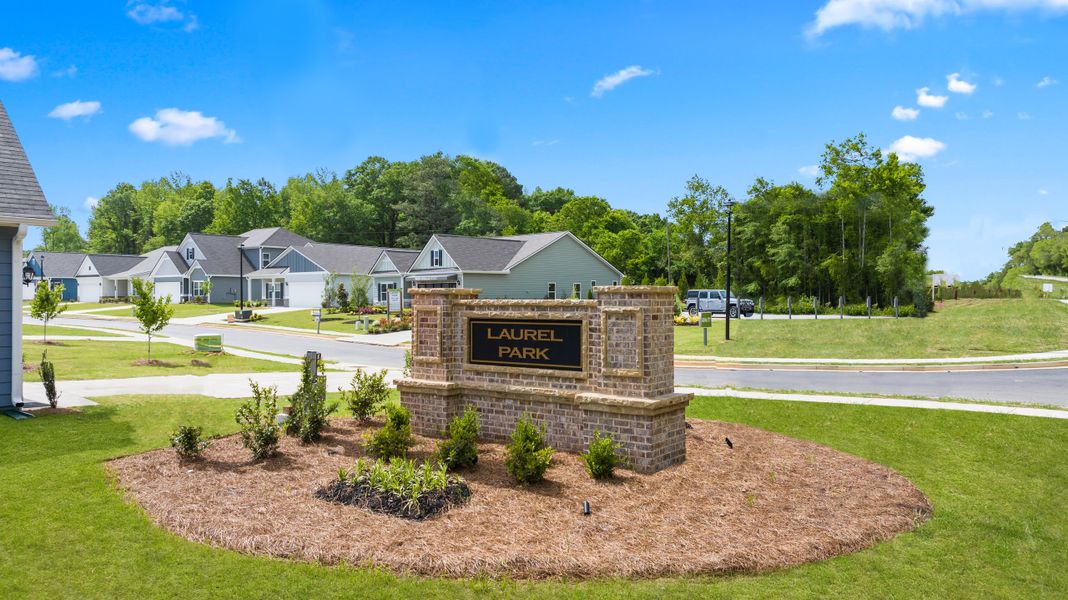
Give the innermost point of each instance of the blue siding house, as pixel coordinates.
(22, 203)
(58, 268)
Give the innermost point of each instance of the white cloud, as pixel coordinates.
(16, 67)
(90, 202)
(961, 116)
(987, 114)
(70, 71)
(1043, 192)
(147, 13)
(925, 98)
(907, 14)
(1046, 82)
(909, 148)
(552, 142)
(1023, 116)
(958, 85)
(809, 170)
(998, 82)
(74, 109)
(181, 127)
(611, 82)
(904, 114)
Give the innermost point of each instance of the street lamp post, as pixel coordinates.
(241, 277)
(727, 328)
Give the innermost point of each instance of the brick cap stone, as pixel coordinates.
(632, 406)
(560, 303)
(444, 291)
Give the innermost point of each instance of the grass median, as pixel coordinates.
(996, 482)
(959, 328)
(31, 329)
(180, 310)
(76, 359)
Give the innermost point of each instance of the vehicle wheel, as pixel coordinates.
(748, 315)
(734, 312)
(692, 310)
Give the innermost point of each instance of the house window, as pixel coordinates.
(593, 283)
(266, 259)
(383, 291)
(576, 290)
(435, 258)
(615, 283)
(198, 288)
(552, 291)
(189, 253)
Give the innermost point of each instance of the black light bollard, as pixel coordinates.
(895, 307)
(869, 306)
(841, 307)
(815, 313)
(789, 307)
(762, 308)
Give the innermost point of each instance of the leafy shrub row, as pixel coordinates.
(397, 487)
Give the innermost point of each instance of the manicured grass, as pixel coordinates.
(75, 359)
(302, 319)
(31, 329)
(997, 484)
(180, 310)
(92, 305)
(958, 328)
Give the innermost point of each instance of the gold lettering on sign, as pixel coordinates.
(523, 334)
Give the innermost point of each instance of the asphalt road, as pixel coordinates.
(1035, 386)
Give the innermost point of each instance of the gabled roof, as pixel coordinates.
(500, 254)
(402, 259)
(532, 244)
(109, 264)
(21, 198)
(59, 265)
(145, 266)
(275, 237)
(342, 258)
(221, 255)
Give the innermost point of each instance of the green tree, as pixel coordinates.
(246, 205)
(115, 226)
(47, 304)
(429, 201)
(323, 209)
(152, 313)
(64, 235)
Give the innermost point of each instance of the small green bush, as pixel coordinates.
(602, 456)
(48, 378)
(460, 449)
(188, 443)
(369, 392)
(309, 410)
(395, 436)
(257, 419)
(527, 457)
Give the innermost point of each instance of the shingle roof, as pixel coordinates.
(532, 244)
(109, 264)
(402, 259)
(479, 254)
(221, 254)
(21, 198)
(145, 266)
(273, 236)
(342, 258)
(60, 265)
(177, 260)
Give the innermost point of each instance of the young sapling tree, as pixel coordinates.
(152, 313)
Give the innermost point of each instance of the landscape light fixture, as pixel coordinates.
(730, 444)
(585, 508)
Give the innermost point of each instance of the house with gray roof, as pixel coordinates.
(106, 275)
(58, 268)
(298, 276)
(22, 203)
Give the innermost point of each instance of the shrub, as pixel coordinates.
(397, 487)
(395, 436)
(460, 449)
(527, 457)
(408, 363)
(309, 410)
(602, 456)
(257, 419)
(187, 442)
(369, 392)
(48, 378)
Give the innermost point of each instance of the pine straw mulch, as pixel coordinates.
(771, 502)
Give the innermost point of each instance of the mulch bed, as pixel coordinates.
(428, 505)
(771, 502)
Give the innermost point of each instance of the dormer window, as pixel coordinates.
(435, 258)
(189, 253)
(266, 259)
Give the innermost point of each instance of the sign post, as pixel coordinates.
(317, 315)
(394, 302)
(705, 321)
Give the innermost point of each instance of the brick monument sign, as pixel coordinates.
(576, 366)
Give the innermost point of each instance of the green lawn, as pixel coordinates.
(997, 483)
(30, 329)
(302, 319)
(92, 305)
(959, 328)
(180, 310)
(114, 360)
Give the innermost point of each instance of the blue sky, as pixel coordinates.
(728, 91)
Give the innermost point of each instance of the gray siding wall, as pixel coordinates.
(297, 263)
(253, 256)
(6, 325)
(220, 289)
(566, 262)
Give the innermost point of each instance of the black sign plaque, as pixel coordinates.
(527, 343)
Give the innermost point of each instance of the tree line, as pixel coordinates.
(861, 232)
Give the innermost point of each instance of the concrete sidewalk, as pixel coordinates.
(1055, 355)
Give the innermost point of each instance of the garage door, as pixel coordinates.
(174, 288)
(89, 289)
(305, 294)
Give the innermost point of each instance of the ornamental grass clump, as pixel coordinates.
(257, 419)
(393, 439)
(48, 379)
(188, 442)
(309, 410)
(460, 449)
(397, 487)
(602, 456)
(369, 392)
(527, 457)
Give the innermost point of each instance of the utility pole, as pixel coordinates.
(727, 328)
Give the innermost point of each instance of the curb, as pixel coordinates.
(951, 367)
